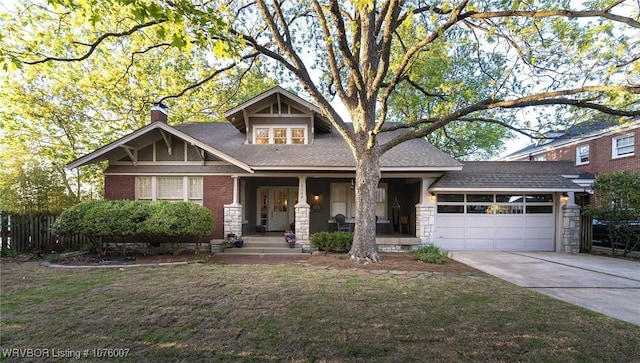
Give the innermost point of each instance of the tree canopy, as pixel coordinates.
(435, 66)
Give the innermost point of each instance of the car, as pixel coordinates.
(602, 238)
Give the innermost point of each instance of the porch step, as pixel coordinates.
(263, 246)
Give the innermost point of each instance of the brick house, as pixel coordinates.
(278, 163)
(594, 147)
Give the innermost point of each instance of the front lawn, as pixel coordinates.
(296, 312)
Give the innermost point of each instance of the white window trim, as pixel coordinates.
(614, 148)
(289, 129)
(154, 189)
(578, 155)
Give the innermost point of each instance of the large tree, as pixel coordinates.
(468, 62)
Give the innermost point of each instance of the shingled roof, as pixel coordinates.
(328, 151)
(551, 176)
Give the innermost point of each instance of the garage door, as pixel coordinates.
(504, 222)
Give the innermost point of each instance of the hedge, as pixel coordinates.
(136, 221)
(332, 241)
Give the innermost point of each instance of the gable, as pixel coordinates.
(280, 104)
(157, 143)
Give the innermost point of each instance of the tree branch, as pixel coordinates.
(93, 46)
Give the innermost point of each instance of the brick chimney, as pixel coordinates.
(159, 112)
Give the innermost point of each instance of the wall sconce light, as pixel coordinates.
(316, 203)
(432, 197)
(564, 197)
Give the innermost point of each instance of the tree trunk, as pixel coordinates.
(363, 249)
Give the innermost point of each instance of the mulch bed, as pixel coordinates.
(390, 261)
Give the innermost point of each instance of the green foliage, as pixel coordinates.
(430, 254)
(9, 252)
(161, 221)
(340, 241)
(618, 203)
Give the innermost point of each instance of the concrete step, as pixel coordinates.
(264, 251)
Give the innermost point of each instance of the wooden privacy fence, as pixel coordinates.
(32, 232)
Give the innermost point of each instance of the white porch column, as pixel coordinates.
(425, 213)
(233, 212)
(302, 214)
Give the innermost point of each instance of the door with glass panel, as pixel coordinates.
(279, 209)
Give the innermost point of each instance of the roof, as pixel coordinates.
(575, 134)
(328, 151)
(548, 176)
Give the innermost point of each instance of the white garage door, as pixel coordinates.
(511, 222)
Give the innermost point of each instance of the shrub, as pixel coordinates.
(332, 241)
(430, 254)
(162, 221)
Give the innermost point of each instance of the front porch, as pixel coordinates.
(308, 204)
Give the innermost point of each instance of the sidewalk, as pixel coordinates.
(603, 284)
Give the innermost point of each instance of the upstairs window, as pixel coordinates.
(623, 146)
(582, 155)
(266, 134)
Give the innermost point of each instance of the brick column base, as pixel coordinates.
(232, 219)
(302, 213)
(570, 229)
(425, 220)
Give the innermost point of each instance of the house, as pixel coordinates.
(278, 163)
(594, 146)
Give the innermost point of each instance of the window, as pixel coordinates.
(343, 200)
(262, 135)
(297, 136)
(582, 155)
(495, 204)
(280, 135)
(541, 157)
(623, 146)
(171, 188)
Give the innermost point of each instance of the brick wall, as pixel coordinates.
(217, 191)
(600, 155)
(119, 187)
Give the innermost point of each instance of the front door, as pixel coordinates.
(279, 206)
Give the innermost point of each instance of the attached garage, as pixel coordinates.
(492, 206)
(514, 222)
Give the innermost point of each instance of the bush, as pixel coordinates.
(162, 221)
(430, 254)
(332, 241)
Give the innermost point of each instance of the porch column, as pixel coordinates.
(425, 213)
(570, 225)
(233, 212)
(302, 214)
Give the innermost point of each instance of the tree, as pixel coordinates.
(51, 114)
(470, 62)
(618, 205)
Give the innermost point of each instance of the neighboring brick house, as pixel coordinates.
(595, 147)
(279, 162)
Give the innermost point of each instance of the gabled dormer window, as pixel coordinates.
(280, 134)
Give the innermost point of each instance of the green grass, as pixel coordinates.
(300, 313)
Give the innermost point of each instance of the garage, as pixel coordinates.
(502, 206)
(496, 221)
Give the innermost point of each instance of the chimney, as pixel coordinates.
(159, 112)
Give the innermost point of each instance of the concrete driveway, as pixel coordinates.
(606, 285)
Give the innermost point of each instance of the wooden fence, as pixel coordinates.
(26, 233)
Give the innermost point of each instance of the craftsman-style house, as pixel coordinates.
(277, 164)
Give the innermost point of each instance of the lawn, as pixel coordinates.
(294, 312)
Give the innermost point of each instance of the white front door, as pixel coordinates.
(279, 208)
